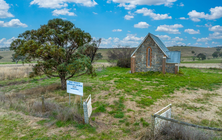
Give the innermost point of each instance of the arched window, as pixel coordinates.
(148, 57)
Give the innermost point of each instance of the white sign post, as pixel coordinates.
(74, 88)
(87, 106)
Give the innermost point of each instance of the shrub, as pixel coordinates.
(122, 55)
(174, 131)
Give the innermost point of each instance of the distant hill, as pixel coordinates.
(185, 52)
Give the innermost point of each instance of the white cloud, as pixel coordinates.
(216, 28)
(146, 2)
(177, 39)
(63, 12)
(141, 25)
(164, 37)
(6, 43)
(95, 13)
(183, 18)
(215, 13)
(117, 30)
(62, 3)
(197, 44)
(173, 43)
(181, 4)
(108, 1)
(13, 23)
(203, 39)
(130, 40)
(192, 31)
(194, 37)
(3, 39)
(127, 7)
(129, 16)
(216, 35)
(154, 16)
(215, 42)
(4, 7)
(205, 25)
(171, 29)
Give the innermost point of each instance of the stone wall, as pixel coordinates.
(140, 57)
(170, 68)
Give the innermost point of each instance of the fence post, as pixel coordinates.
(152, 126)
(86, 118)
(43, 104)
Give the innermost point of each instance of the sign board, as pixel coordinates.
(89, 106)
(74, 87)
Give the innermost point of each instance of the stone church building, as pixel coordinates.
(153, 55)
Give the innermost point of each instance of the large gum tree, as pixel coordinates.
(57, 47)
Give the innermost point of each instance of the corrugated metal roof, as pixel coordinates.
(174, 57)
(160, 44)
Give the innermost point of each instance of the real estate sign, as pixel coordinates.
(74, 87)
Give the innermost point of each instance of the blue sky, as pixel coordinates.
(120, 22)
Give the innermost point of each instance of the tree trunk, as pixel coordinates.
(63, 83)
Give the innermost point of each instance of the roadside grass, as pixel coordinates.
(143, 88)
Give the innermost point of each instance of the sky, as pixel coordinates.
(120, 22)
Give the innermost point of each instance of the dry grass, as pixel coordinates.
(20, 102)
(174, 131)
(14, 72)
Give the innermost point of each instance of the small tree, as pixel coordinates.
(122, 55)
(1, 57)
(90, 50)
(194, 55)
(215, 54)
(220, 54)
(16, 58)
(56, 46)
(201, 56)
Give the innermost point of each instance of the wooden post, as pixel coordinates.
(86, 118)
(43, 104)
(164, 65)
(152, 126)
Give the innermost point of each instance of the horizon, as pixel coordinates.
(120, 22)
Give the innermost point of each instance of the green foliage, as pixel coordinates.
(17, 58)
(118, 108)
(1, 57)
(122, 55)
(201, 56)
(99, 56)
(220, 54)
(215, 54)
(57, 47)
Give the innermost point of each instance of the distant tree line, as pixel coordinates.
(200, 56)
(217, 53)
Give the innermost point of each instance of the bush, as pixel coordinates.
(124, 63)
(174, 131)
(122, 55)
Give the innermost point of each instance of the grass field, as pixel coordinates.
(122, 103)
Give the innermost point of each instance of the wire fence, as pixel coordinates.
(163, 118)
